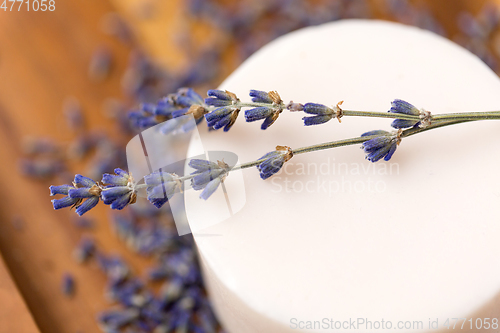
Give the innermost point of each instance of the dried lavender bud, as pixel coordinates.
(208, 176)
(259, 96)
(66, 201)
(220, 98)
(322, 113)
(224, 116)
(120, 189)
(85, 188)
(268, 113)
(68, 285)
(382, 146)
(161, 187)
(400, 106)
(274, 161)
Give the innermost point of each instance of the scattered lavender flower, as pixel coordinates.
(144, 239)
(116, 319)
(73, 113)
(382, 146)
(113, 24)
(85, 249)
(68, 285)
(100, 64)
(274, 161)
(268, 113)
(209, 175)
(120, 190)
(18, 223)
(42, 168)
(40, 146)
(322, 113)
(143, 79)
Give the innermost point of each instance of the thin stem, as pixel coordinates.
(353, 141)
(468, 116)
(340, 143)
(333, 144)
(376, 114)
(380, 114)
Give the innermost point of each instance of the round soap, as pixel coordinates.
(337, 243)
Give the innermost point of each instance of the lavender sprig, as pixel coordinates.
(121, 190)
(209, 175)
(221, 109)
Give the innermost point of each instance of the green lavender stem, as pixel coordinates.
(346, 142)
(486, 115)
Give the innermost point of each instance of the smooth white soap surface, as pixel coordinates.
(406, 240)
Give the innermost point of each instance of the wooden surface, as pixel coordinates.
(16, 308)
(43, 59)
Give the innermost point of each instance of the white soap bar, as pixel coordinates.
(333, 237)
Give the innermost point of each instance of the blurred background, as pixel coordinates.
(69, 75)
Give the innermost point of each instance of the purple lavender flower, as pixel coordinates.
(382, 146)
(185, 101)
(82, 188)
(268, 113)
(226, 112)
(190, 103)
(85, 188)
(400, 106)
(225, 116)
(259, 96)
(322, 113)
(161, 187)
(66, 201)
(220, 98)
(120, 190)
(208, 176)
(274, 161)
